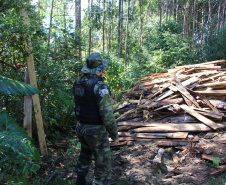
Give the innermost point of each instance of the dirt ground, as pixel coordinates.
(133, 165)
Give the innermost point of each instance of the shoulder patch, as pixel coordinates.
(104, 91)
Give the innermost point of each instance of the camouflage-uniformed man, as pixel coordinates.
(96, 120)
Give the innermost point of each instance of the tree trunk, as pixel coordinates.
(219, 15)
(167, 9)
(90, 27)
(78, 22)
(119, 27)
(111, 26)
(127, 25)
(202, 26)
(141, 21)
(103, 39)
(27, 123)
(210, 22)
(39, 17)
(194, 20)
(177, 11)
(50, 29)
(131, 28)
(185, 24)
(160, 13)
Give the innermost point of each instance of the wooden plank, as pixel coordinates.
(201, 118)
(178, 135)
(155, 94)
(125, 134)
(35, 98)
(209, 157)
(175, 142)
(215, 62)
(206, 101)
(221, 170)
(189, 98)
(184, 118)
(214, 77)
(162, 103)
(218, 103)
(212, 84)
(124, 128)
(172, 127)
(212, 92)
(133, 89)
(126, 113)
(123, 139)
(210, 113)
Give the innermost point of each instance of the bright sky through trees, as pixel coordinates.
(84, 4)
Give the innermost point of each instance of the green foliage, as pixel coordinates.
(214, 48)
(113, 72)
(12, 35)
(217, 181)
(167, 46)
(9, 86)
(216, 161)
(18, 156)
(65, 110)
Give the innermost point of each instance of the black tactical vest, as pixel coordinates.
(86, 107)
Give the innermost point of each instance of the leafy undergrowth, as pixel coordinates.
(133, 165)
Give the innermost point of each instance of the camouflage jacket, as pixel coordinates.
(105, 109)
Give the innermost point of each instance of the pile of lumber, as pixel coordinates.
(166, 107)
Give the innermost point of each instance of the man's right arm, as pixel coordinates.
(105, 109)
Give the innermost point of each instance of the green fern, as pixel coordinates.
(18, 156)
(65, 97)
(8, 124)
(9, 86)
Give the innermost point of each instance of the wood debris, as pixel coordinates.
(165, 107)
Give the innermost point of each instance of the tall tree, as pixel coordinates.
(127, 26)
(78, 21)
(131, 28)
(210, 19)
(90, 4)
(103, 39)
(50, 30)
(120, 17)
(141, 21)
(219, 14)
(160, 12)
(111, 24)
(167, 9)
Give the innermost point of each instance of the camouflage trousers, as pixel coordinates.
(94, 141)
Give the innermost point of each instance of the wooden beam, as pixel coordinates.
(35, 98)
(212, 92)
(170, 127)
(212, 84)
(200, 117)
(175, 142)
(178, 135)
(161, 103)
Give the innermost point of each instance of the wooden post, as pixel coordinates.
(35, 98)
(27, 109)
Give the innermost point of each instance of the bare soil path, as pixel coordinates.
(133, 165)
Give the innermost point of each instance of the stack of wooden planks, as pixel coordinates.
(166, 107)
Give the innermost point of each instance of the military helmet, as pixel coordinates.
(95, 64)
